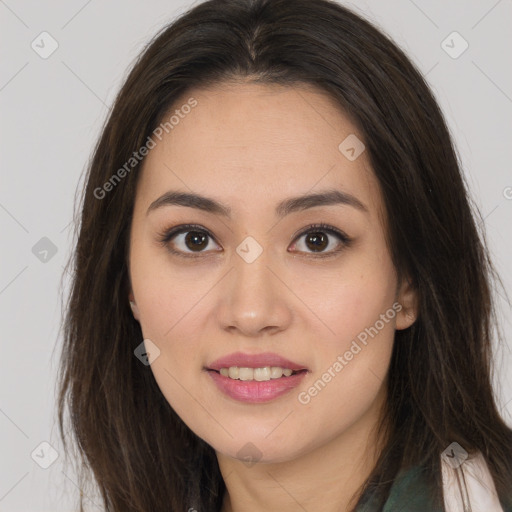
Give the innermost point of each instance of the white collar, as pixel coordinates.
(467, 484)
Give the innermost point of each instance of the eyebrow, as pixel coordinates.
(284, 208)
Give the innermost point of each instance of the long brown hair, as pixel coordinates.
(141, 454)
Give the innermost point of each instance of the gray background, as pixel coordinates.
(52, 110)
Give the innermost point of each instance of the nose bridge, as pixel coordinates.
(254, 299)
(252, 278)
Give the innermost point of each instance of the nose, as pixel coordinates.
(254, 299)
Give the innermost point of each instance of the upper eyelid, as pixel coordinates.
(183, 228)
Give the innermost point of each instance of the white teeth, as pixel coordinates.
(245, 373)
(276, 372)
(262, 373)
(259, 374)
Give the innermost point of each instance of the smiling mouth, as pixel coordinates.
(261, 374)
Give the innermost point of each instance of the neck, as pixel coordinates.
(327, 477)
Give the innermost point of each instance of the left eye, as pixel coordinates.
(317, 239)
(195, 238)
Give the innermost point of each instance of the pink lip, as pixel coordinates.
(253, 391)
(254, 361)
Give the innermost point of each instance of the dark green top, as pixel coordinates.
(408, 492)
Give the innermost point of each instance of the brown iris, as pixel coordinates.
(197, 240)
(318, 240)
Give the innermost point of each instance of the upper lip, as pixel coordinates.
(254, 361)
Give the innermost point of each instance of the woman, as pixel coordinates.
(281, 300)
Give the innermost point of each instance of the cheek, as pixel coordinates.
(174, 307)
(166, 296)
(347, 300)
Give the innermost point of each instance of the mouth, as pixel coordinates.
(255, 378)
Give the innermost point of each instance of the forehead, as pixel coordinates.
(257, 143)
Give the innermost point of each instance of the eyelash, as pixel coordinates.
(164, 237)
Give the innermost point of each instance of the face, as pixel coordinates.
(256, 278)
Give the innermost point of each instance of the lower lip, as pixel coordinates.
(253, 391)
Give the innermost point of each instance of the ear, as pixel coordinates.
(407, 297)
(133, 305)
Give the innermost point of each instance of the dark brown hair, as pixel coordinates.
(143, 457)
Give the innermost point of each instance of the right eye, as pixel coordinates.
(186, 236)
